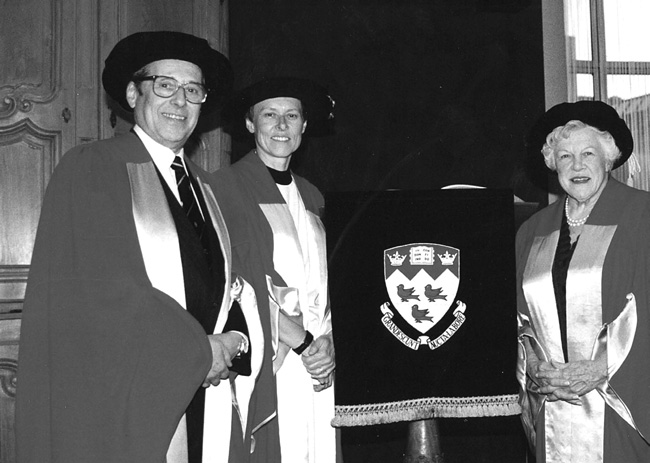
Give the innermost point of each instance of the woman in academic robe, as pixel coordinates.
(279, 246)
(583, 268)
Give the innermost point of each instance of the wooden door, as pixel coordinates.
(38, 122)
(52, 54)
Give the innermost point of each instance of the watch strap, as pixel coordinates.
(305, 344)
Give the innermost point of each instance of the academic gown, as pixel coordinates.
(607, 313)
(259, 221)
(109, 357)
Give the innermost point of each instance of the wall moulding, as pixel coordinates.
(34, 75)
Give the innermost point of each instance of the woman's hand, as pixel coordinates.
(319, 360)
(569, 381)
(547, 380)
(291, 331)
(539, 371)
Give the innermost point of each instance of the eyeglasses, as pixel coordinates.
(166, 87)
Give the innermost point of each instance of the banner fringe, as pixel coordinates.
(422, 409)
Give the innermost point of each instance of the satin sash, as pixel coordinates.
(161, 254)
(289, 262)
(280, 297)
(572, 433)
(162, 258)
(615, 341)
(220, 399)
(304, 416)
(156, 231)
(244, 293)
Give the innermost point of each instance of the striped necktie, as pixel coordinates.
(187, 196)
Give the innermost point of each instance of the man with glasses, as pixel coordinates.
(132, 329)
(166, 87)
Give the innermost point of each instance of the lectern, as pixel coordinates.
(422, 290)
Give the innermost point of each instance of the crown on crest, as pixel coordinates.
(396, 259)
(446, 258)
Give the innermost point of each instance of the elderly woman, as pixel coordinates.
(279, 246)
(583, 270)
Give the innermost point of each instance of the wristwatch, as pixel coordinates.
(305, 344)
(242, 348)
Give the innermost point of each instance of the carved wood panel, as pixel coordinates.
(27, 157)
(9, 334)
(33, 76)
(48, 104)
(33, 129)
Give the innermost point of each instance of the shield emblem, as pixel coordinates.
(422, 281)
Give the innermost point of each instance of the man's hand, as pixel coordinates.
(319, 361)
(225, 347)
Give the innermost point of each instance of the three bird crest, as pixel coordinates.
(422, 280)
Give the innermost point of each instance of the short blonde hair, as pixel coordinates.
(612, 152)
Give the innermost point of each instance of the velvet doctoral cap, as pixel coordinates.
(317, 104)
(137, 50)
(594, 113)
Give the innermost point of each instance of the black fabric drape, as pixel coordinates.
(373, 366)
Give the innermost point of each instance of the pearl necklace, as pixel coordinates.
(569, 220)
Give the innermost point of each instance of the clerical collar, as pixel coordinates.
(281, 177)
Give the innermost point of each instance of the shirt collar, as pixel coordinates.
(161, 155)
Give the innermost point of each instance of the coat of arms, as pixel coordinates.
(422, 280)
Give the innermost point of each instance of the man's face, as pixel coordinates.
(169, 121)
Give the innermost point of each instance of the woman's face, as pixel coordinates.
(278, 126)
(581, 165)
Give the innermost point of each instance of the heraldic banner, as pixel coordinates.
(422, 290)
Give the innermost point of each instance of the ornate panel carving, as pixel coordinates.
(8, 367)
(27, 158)
(9, 334)
(30, 46)
(8, 381)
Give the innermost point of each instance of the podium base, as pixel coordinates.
(423, 443)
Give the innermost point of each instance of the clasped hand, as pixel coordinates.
(567, 381)
(225, 346)
(319, 361)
